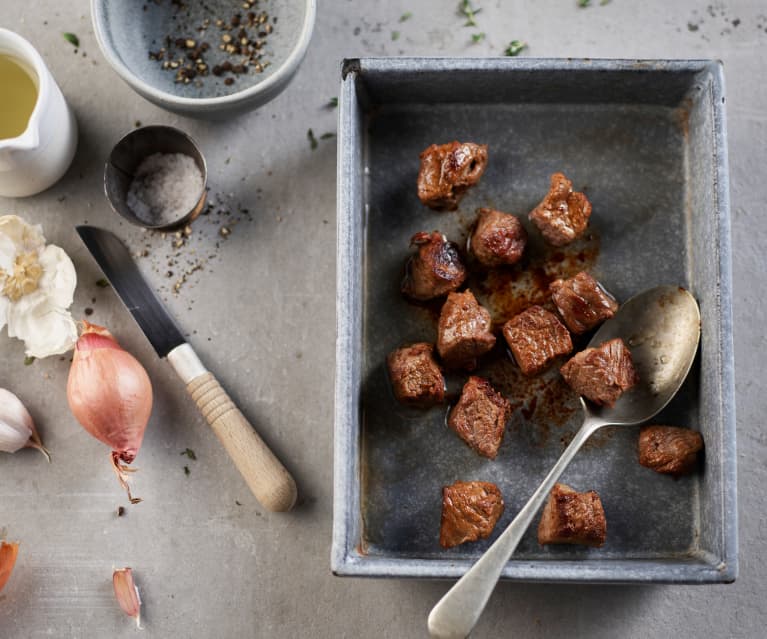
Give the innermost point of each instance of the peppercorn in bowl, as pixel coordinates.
(208, 60)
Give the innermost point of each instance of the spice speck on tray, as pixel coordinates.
(166, 187)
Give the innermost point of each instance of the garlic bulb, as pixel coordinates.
(17, 430)
(37, 284)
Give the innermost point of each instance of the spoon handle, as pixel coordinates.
(458, 611)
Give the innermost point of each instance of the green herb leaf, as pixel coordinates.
(477, 37)
(102, 283)
(327, 136)
(189, 453)
(405, 16)
(186, 470)
(584, 3)
(332, 103)
(395, 35)
(312, 140)
(604, 2)
(72, 39)
(28, 360)
(466, 9)
(515, 47)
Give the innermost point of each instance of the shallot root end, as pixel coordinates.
(121, 470)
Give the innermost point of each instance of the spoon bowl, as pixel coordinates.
(661, 326)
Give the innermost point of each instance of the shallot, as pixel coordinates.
(110, 394)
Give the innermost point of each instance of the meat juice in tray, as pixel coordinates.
(535, 339)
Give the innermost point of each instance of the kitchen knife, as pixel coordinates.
(265, 475)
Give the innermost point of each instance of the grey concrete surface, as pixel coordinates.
(261, 314)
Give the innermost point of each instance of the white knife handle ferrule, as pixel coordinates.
(266, 477)
(186, 363)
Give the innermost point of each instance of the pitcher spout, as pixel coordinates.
(25, 143)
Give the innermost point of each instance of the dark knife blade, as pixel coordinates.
(118, 266)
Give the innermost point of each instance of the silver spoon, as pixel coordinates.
(661, 326)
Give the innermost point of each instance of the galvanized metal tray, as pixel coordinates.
(646, 140)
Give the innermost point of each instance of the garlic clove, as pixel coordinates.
(126, 593)
(17, 429)
(13, 436)
(8, 552)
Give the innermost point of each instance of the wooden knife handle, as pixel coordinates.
(272, 485)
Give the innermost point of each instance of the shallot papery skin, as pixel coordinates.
(8, 552)
(110, 394)
(127, 593)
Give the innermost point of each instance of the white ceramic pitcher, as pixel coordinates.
(37, 158)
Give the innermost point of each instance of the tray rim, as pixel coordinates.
(701, 569)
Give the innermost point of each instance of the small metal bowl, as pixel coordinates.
(128, 154)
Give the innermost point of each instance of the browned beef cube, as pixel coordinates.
(582, 302)
(470, 510)
(563, 214)
(447, 171)
(498, 238)
(435, 270)
(601, 374)
(479, 418)
(536, 337)
(668, 449)
(570, 517)
(463, 331)
(415, 377)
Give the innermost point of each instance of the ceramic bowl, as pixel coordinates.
(128, 31)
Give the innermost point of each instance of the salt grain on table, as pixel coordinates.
(166, 187)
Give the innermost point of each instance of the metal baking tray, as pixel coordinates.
(646, 140)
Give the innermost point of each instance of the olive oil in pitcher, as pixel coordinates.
(18, 95)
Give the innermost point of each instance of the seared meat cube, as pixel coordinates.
(463, 332)
(470, 510)
(447, 171)
(435, 270)
(582, 302)
(415, 377)
(570, 517)
(601, 374)
(479, 418)
(536, 337)
(563, 214)
(668, 449)
(498, 238)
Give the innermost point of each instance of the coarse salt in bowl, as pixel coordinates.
(165, 187)
(209, 60)
(155, 177)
